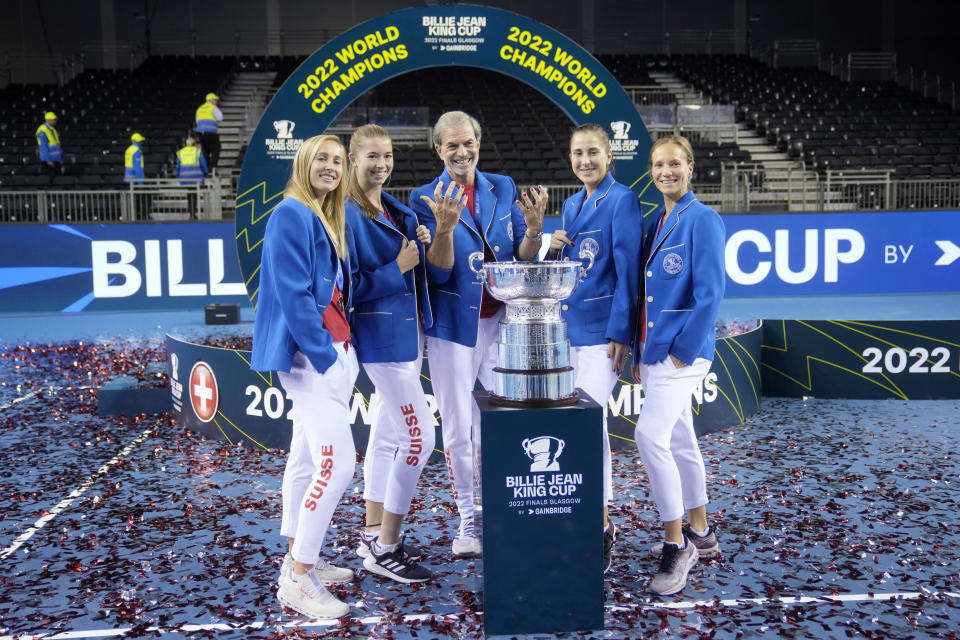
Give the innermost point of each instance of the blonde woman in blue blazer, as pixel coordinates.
(301, 332)
(391, 308)
(682, 287)
(603, 218)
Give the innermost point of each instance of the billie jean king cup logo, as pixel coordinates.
(620, 129)
(284, 129)
(544, 451)
(176, 387)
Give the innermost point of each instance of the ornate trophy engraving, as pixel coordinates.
(533, 352)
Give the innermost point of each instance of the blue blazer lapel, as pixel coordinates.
(399, 214)
(579, 221)
(671, 222)
(571, 208)
(484, 201)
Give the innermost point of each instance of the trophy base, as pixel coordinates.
(550, 387)
(535, 403)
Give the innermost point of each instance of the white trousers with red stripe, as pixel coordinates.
(322, 455)
(402, 434)
(593, 372)
(665, 437)
(454, 369)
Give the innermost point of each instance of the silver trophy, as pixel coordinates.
(533, 352)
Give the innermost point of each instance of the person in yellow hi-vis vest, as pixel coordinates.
(133, 160)
(48, 146)
(133, 173)
(208, 117)
(191, 169)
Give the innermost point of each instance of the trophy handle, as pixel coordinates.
(588, 254)
(478, 255)
(560, 448)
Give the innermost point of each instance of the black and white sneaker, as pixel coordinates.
(707, 544)
(609, 539)
(675, 564)
(396, 566)
(409, 551)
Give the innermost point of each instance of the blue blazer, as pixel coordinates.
(610, 222)
(684, 278)
(298, 269)
(455, 293)
(385, 316)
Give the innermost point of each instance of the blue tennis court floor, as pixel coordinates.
(837, 519)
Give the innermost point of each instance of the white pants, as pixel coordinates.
(665, 437)
(402, 434)
(322, 456)
(593, 372)
(454, 369)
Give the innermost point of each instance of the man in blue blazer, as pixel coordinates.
(468, 211)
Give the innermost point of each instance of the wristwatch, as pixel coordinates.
(534, 238)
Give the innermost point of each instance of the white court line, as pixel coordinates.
(425, 617)
(22, 398)
(789, 600)
(36, 391)
(76, 493)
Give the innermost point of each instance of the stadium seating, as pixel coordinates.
(808, 114)
(97, 112)
(831, 124)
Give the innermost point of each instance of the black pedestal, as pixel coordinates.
(542, 493)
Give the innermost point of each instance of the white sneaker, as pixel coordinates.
(286, 569)
(466, 546)
(328, 573)
(306, 595)
(675, 564)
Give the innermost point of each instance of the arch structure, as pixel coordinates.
(416, 38)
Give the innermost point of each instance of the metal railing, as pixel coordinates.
(401, 136)
(37, 69)
(788, 53)
(123, 54)
(750, 188)
(650, 94)
(744, 188)
(871, 66)
(156, 200)
(698, 133)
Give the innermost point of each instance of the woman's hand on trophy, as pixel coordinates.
(557, 239)
(617, 352)
(534, 210)
(423, 235)
(446, 206)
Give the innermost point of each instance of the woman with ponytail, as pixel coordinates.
(391, 310)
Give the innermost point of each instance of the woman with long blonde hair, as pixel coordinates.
(301, 332)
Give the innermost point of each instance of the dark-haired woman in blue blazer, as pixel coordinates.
(604, 219)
